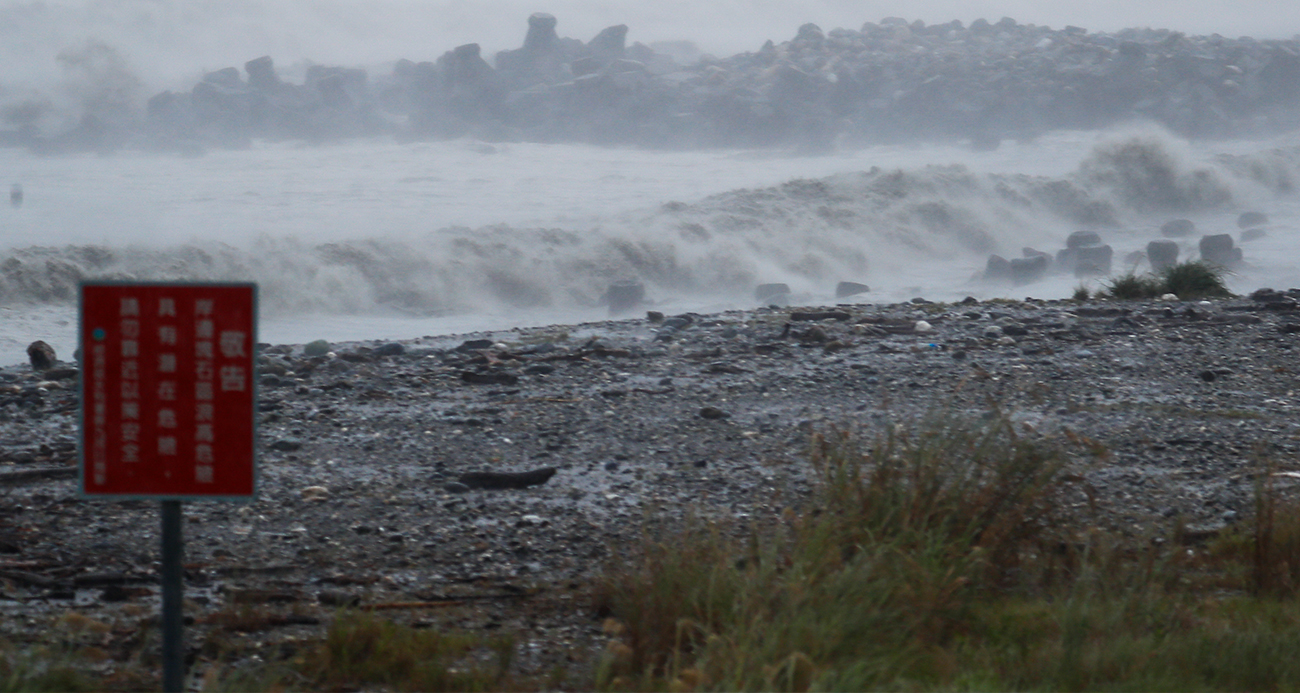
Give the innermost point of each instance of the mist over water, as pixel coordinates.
(370, 238)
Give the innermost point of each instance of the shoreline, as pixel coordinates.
(369, 494)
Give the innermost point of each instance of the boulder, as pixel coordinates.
(541, 35)
(1219, 249)
(1250, 220)
(541, 59)
(997, 269)
(846, 289)
(772, 293)
(1086, 261)
(1027, 270)
(1177, 228)
(261, 74)
(624, 297)
(1162, 254)
(1083, 239)
(41, 355)
(609, 45)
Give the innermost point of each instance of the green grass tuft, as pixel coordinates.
(1186, 280)
(1195, 280)
(1133, 287)
(942, 556)
(364, 650)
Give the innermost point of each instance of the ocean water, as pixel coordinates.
(381, 240)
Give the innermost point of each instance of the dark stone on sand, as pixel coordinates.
(821, 315)
(1177, 228)
(319, 347)
(507, 480)
(61, 373)
(390, 349)
(287, 445)
(846, 289)
(41, 355)
(713, 413)
(475, 344)
(491, 378)
(654, 316)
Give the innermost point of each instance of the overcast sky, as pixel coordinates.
(173, 40)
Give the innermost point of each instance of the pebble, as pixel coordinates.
(713, 413)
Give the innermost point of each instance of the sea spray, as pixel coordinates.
(880, 226)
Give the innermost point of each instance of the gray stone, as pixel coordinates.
(1092, 261)
(609, 45)
(764, 293)
(41, 355)
(1083, 239)
(1027, 270)
(846, 289)
(1250, 220)
(997, 269)
(1162, 254)
(1219, 249)
(1177, 228)
(624, 297)
(713, 413)
(261, 73)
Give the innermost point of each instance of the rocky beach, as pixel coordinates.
(480, 481)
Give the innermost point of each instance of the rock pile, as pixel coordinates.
(887, 81)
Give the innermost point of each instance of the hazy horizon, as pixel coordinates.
(168, 43)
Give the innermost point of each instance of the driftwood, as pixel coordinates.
(475, 378)
(31, 579)
(503, 480)
(820, 315)
(40, 474)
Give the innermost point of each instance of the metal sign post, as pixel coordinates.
(173, 592)
(168, 410)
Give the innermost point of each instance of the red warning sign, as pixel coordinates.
(168, 390)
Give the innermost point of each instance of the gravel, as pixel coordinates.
(403, 478)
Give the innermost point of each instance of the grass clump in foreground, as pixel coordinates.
(952, 557)
(1186, 280)
(362, 651)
